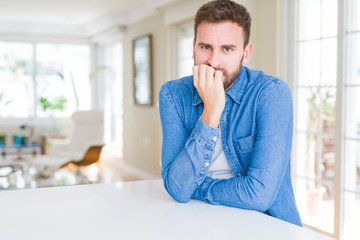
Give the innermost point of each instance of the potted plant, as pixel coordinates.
(57, 104)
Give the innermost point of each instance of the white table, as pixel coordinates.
(131, 210)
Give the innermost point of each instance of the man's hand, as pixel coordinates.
(209, 84)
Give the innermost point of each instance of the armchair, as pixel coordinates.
(88, 130)
(82, 148)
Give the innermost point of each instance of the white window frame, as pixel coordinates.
(291, 13)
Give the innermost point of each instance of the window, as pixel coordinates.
(184, 38)
(315, 124)
(111, 93)
(30, 71)
(16, 79)
(320, 99)
(63, 71)
(351, 140)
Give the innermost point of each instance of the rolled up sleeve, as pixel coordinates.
(186, 157)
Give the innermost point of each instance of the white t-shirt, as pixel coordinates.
(219, 168)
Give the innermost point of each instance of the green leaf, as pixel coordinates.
(97, 70)
(45, 104)
(57, 104)
(60, 75)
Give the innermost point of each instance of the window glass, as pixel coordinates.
(309, 63)
(328, 61)
(63, 72)
(317, 106)
(308, 102)
(185, 38)
(329, 18)
(310, 19)
(16, 84)
(353, 58)
(354, 16)
(352, 126)
(352, 216)
(352, 165)
(315, 201)
(308, 150)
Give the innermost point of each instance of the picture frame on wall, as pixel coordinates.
(142, 66)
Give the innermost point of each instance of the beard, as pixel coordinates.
(229, 78)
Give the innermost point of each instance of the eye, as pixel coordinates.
(227, 49)
(205, 47)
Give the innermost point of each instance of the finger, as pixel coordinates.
(202, 75)
(210, 74)
(196, 75)
(218, 76)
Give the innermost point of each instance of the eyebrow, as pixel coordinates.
(223, 46)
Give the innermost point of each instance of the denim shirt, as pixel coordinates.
(256, 130)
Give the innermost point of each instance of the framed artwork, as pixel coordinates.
(142, 65)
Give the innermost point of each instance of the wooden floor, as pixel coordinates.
(101, 172)
(105, 171)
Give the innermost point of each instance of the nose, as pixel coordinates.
(214, 59)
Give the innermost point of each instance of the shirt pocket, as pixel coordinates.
(244, 148)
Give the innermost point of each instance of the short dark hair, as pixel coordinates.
(224, 10)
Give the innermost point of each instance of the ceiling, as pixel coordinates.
(75, 12)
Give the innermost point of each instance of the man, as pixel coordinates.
(227, 130)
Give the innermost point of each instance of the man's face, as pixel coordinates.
(221, 46)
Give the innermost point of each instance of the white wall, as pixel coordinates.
(264, 35)
(142, 131)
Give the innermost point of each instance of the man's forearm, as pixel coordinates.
(187, 170)
(185, 158)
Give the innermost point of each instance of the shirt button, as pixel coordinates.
(214, 138)
(207, 164)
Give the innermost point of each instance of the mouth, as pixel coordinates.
(223, 71)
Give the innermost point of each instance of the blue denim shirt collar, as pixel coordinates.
(235, 92)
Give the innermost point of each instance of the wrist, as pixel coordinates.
(213, 120)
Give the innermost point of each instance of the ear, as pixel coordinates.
(247, 53)
(193, 55)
